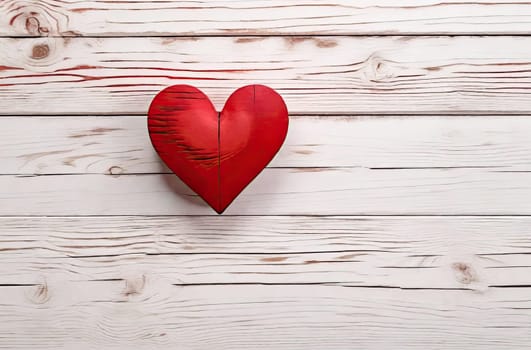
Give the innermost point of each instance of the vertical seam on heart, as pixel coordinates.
(219, 161)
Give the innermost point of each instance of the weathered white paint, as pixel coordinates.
(121, 145)
(472, 253)
(315, 75)
(286, 191)
(151, 314)
(191, 280)
(262, 17)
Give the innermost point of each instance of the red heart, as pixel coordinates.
(217, 154)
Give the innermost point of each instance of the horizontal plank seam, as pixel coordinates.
(342, 115)
(336, 284)
(419, 215)
(282, 253)
(287, 35)
(352, 114)
(317, 168)
(322, 284)
(347, 251)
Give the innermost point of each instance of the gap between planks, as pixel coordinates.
(258, 36)
(331, 216)
(401, 114)
(322, 284)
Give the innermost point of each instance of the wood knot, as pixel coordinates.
(40, 51)
(33, 26)
(115, 170)
(134, 286)
(29, 19)
(464, 272)
(377, 69)
(40, 294)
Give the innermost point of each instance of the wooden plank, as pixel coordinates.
(222, 17)
(120, 145)
(342, 75)
(78, 282)
(304, 191)
(476, 253)
(151, 314)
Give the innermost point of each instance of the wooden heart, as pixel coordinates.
(217, 154)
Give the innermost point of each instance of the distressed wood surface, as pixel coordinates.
(396, 216)
(349, 75)
(121, 145)
(152, 314)
(469, 253)
(257, 282)
(286, 191)
(237, 17)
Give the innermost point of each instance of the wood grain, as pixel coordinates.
(262, 282)
(120, 145)
(151, 314)
(287, 191)
(340, 75)
(274, 17)
(468, 253)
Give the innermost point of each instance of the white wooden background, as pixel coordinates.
(396, 216)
